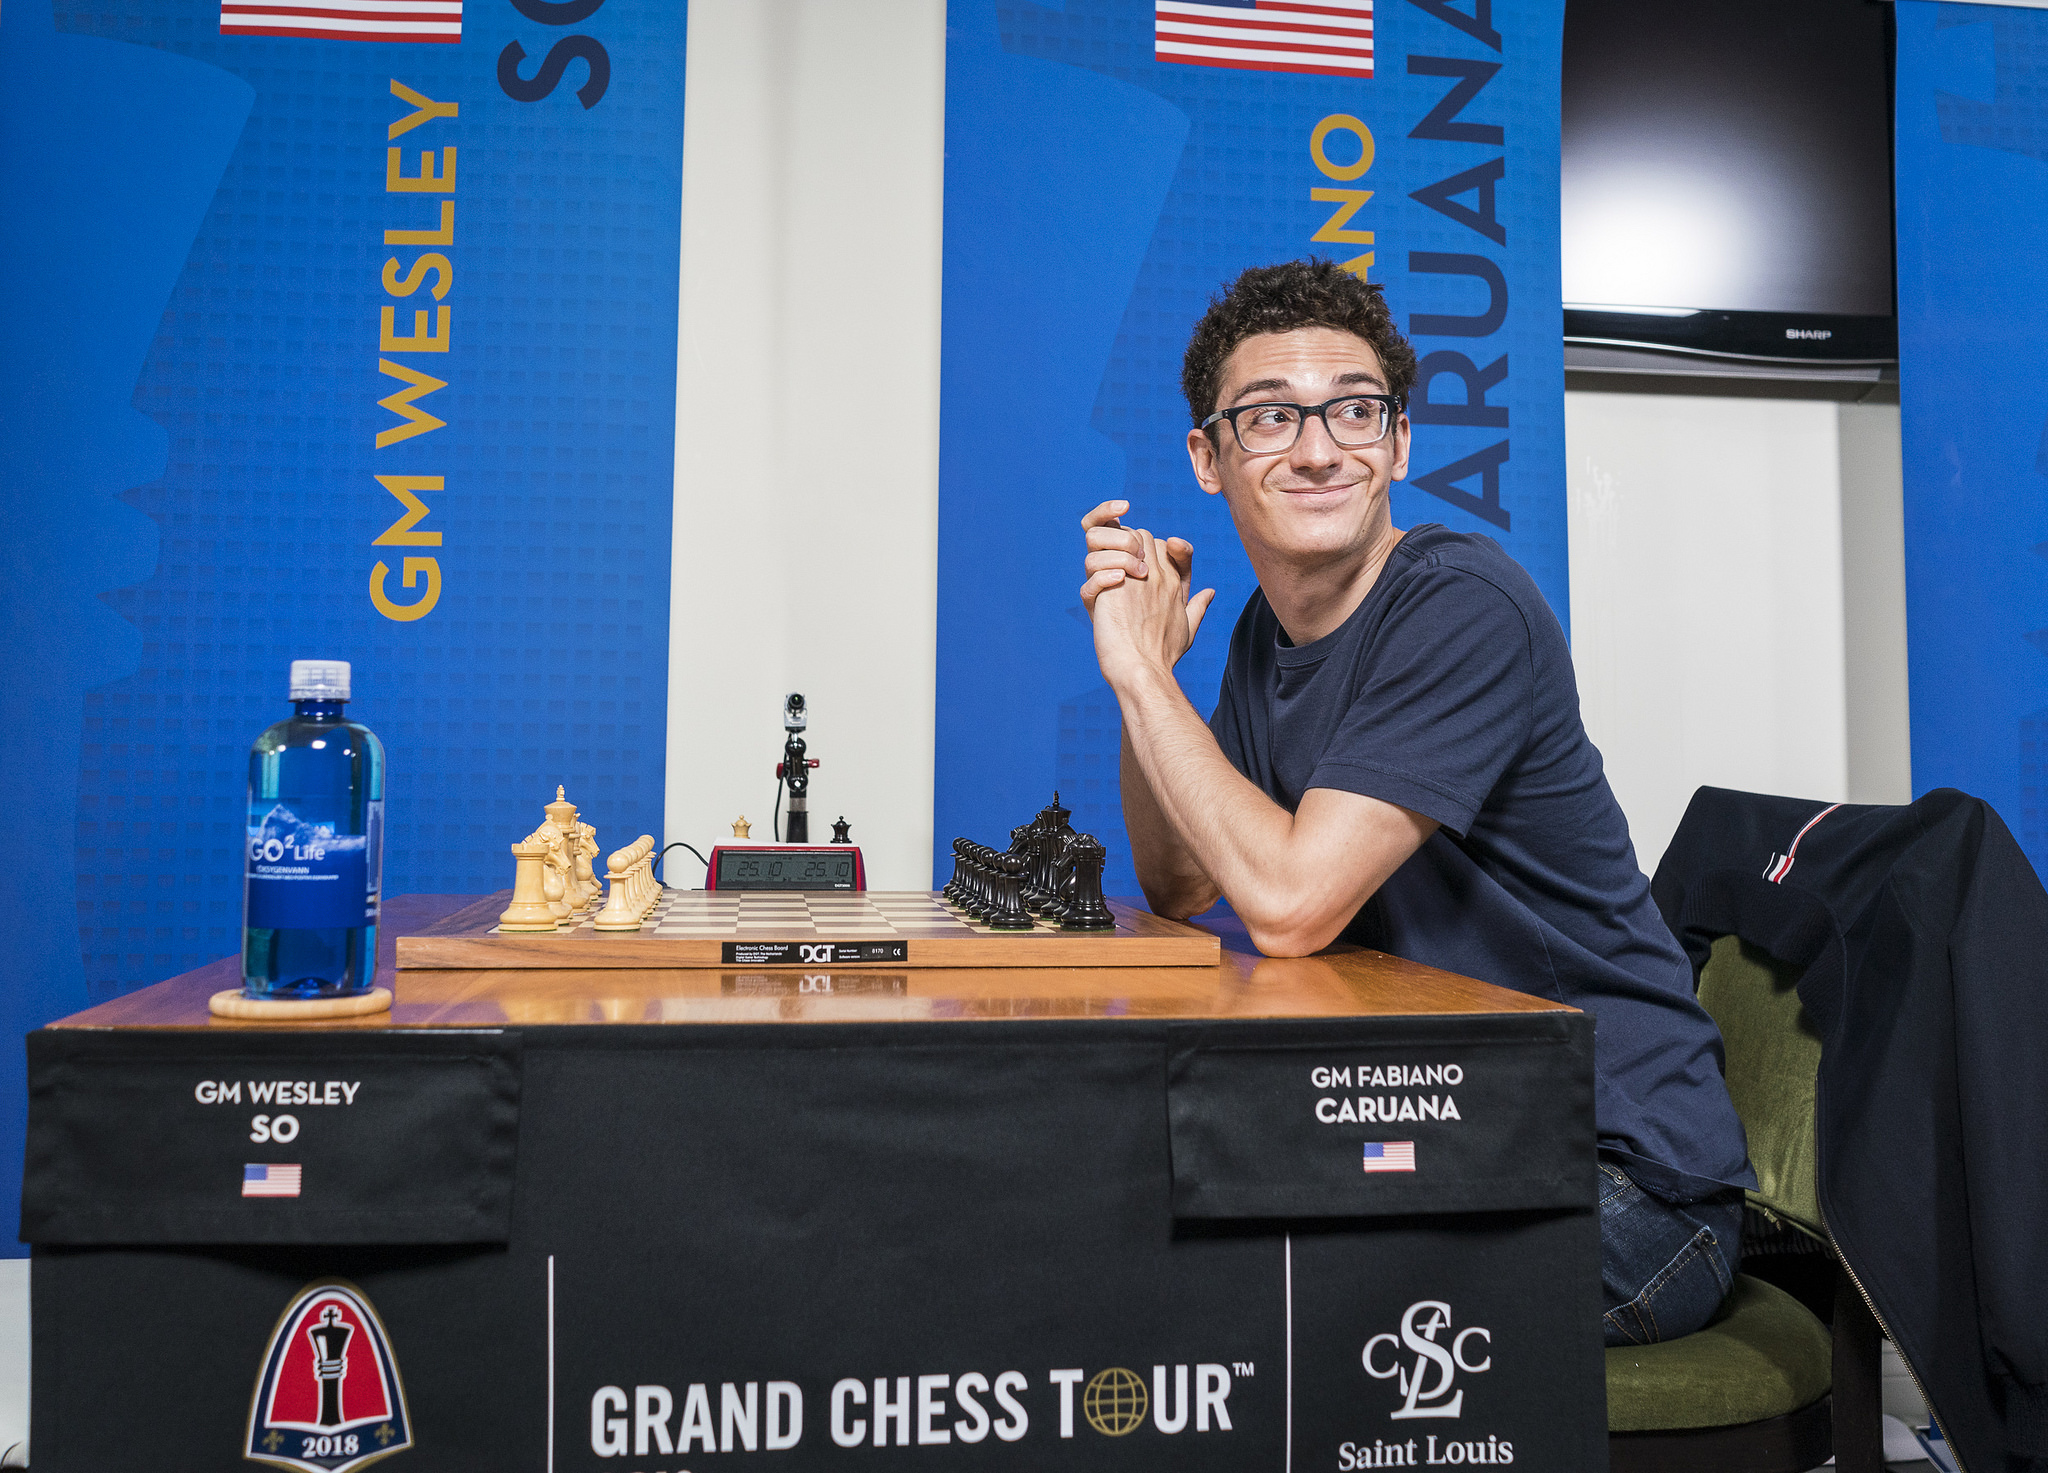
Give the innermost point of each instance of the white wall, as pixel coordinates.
(1874, 604)
(805, 532)
(1706, 587)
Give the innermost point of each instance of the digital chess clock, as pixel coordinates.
(786, 867)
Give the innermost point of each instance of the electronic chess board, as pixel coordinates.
(724, 928)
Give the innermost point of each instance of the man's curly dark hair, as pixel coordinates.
(1281, 298)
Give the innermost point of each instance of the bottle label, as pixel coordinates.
(303, 872)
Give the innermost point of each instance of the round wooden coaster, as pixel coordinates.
(234, 1004)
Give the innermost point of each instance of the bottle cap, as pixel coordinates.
(319, 680)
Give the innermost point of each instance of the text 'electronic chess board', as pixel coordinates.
(723, 928)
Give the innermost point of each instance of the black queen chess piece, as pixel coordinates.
(841, 829)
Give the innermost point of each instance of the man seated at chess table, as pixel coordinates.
(1396, 758)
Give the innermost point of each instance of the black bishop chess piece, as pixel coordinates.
(1086, 910)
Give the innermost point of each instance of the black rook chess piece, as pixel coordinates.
(1087, 911)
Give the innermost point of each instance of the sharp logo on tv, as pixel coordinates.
(328, 1398)
(928, 1410)
(1810, 334)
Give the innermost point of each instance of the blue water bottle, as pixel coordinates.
(316, 846)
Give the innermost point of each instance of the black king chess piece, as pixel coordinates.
(1087, 911)
(330, 1362)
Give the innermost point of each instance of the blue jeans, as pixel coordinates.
(1664, 1270)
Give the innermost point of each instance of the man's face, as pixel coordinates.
(1316, 501)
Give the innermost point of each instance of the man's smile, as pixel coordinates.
(1318, 490)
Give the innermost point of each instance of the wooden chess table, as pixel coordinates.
(1131, 1194)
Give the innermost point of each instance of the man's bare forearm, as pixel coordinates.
(1293, 882)
(1202, 802)
(1174, 881)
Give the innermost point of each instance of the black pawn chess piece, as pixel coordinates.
(840, 829)
(976, 904)
(1006, 911)
(1087, 911)
(955, 887)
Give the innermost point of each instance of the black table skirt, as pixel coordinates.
(957, 1239)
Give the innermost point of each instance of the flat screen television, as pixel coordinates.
(1727, 179)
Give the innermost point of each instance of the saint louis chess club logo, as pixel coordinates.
(329, 1398)
(1425, 1383)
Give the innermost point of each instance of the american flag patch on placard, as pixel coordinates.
(344, 20)
(1330, 37)
(270, 1181)
(1390, 1155)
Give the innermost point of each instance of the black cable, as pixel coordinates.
(679, 844)
(776, 828)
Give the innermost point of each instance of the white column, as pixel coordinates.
(806, 507)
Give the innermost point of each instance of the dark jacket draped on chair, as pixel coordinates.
(1923, 934)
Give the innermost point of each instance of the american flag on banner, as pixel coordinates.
(1384, 1156)
(270, 1181)
(344, 20)
(1330, 37)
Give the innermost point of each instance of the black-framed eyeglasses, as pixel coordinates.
(1354, 421)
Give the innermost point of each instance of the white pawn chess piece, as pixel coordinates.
(619, 913)
(646, 891)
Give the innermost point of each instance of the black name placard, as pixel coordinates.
(265, 1137)
(1382, 1117)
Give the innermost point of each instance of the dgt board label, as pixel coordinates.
(812, 953)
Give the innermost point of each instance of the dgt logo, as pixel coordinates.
(1426, 1383)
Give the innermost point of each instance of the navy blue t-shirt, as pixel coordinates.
(1450, 691)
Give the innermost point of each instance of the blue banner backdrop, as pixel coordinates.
(1096, 197)
(1973, 387)
(323, 346)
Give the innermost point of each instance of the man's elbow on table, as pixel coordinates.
(1292, 928)
(1178, 898)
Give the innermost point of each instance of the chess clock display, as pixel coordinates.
(786, 867)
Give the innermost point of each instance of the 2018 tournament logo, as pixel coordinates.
(329, 1398)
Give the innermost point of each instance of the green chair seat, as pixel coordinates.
(1763, 1355)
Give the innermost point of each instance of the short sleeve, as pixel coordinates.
(1443, 706)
